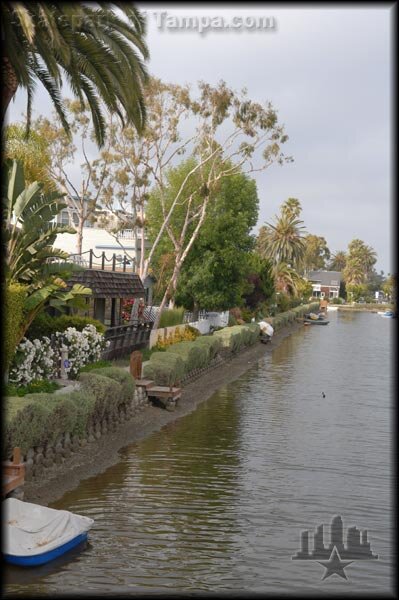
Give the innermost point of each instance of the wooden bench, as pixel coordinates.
(168, 396)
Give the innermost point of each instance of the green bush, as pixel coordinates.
(100, 364)
(36, 386)
(123, 377)
(165, 368)
(212, 343)
(108, 393)
(194, 355)
(27, 424)
(85, 409)
(172, 316)
(231, 337)
(63, 413)
(45, 325)
(14, 299)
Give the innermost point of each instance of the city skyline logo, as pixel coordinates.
(336, 556)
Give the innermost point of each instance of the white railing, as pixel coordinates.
(125, 234)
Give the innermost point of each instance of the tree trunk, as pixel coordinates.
(10, 85)
(169, 294)
(79, 240)
(195, 311)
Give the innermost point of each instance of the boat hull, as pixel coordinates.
(45, 557)
(315, 322)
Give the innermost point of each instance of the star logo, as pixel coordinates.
(334, 565)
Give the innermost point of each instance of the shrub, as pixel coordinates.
(83, 347)
(99, 364)
(123, 377)
(231, 338)
(172, 316)
(212, 343)
(63, 413)
(45, 325)
(108, 393)
(27, 424)
(85, 409)
(195, 356)
(14, 299)
(32, 361)
(165, 368)
(187, 334)
(35, 387)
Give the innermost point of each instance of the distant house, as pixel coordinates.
(98, 237)
(325, 284)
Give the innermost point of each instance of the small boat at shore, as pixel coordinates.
(35, 535)
(386, 313)
(332, 308)
(315, 321)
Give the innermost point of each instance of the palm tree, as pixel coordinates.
(99, 52)
(283, 242)
(338, 261)
(286, 278)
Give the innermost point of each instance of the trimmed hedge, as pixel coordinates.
(165, 368)
(108, 393)
(25, 427)
(124, 378)
(282, 319)
(39, 419)
(194, 355)
(14, 299)
(212, 343)
(45, 325)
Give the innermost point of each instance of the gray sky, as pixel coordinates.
(328, 73)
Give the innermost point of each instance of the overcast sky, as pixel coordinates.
(328, 73)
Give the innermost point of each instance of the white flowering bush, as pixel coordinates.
(38, 359)
(33, 360)
(83, 347)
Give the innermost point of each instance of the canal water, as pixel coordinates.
(216, 501)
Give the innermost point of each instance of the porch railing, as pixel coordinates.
(126, 338)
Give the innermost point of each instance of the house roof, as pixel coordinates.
(109, 284)
(325, 277)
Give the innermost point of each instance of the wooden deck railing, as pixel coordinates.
(126, 338)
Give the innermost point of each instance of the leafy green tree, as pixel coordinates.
(29, 235)
(316, 253)
(214, 271)
(260, 281)
(99, 52)
(228, 134)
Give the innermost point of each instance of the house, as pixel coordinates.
(99, 238)
(109, 289)
(325, 284)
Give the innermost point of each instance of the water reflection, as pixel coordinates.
(217, 500)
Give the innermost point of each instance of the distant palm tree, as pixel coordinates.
(283, 242)
(99, 52)
(286, 278)
(338, 261)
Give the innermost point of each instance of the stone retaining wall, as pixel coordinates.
(42, 458)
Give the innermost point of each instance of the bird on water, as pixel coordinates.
(323, 394)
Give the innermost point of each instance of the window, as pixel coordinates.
(63, 218)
